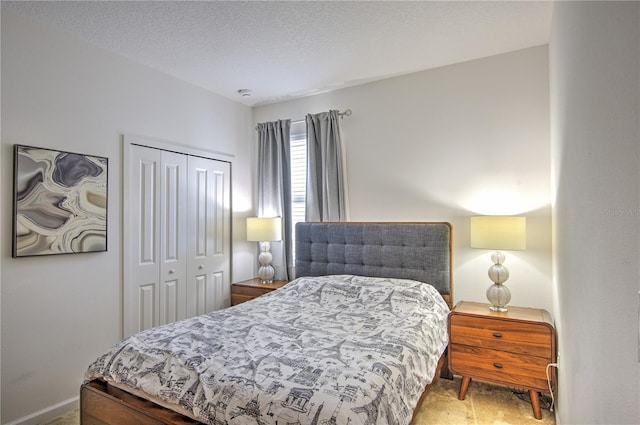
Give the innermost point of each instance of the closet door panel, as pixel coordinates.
(147, 234)
(201, 294)
(141, 286)
(173, 213)
(170, 302)
(197, 231)
(146, 306)
(222, 294)
(221, 258)
(208, 245)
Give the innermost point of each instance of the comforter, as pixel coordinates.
(323, 350)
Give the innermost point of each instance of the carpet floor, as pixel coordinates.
(485, 404)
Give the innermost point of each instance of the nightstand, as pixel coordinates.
(252, 288)
(510, 348)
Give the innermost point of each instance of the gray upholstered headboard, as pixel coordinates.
(418, 251)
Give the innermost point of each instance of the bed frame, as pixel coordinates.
(419, 250)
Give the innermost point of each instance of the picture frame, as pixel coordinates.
(60, 202)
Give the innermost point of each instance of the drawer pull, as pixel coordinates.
(497, 334)
(497, 365)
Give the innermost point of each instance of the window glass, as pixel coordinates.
(298, 174)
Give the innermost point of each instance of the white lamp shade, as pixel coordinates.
(499, 232)
(263, 229)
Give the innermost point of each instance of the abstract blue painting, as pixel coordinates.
(60, 202)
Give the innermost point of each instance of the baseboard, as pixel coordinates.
(49, 413)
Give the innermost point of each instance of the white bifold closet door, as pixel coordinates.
(178, 259)
(208, 236)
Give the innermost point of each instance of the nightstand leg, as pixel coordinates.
(464, 386)
(535, 404)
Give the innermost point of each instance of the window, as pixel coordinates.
(298, 138)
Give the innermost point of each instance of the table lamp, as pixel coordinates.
(498, 233)
(264, 230)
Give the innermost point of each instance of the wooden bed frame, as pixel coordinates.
(103, 404)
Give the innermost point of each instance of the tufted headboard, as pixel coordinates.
(418, 251)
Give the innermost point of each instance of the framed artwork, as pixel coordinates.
(60, 202)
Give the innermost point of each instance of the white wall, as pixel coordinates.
(448, 143)
(2, 206)
(595, 94)
(59, 313)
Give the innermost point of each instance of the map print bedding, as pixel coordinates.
(341, 349)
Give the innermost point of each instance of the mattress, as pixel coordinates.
(338, 349)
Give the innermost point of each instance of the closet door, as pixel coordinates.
(155, 287)
(142, 250)
(209, 235)
(177, 236)
(173, 237)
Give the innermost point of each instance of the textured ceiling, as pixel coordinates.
(284, 50)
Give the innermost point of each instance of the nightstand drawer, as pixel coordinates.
(250, 291)
(512, 336)
(500, 366)
(240, 294)
(252, 288)
(239, 299)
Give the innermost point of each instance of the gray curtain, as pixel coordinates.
(325, 194)
(274, 188)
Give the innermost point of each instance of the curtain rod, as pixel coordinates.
(345, 113)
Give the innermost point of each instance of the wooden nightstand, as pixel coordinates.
(511, 348)
(252, 288)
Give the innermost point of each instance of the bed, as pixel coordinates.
(357, 338)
